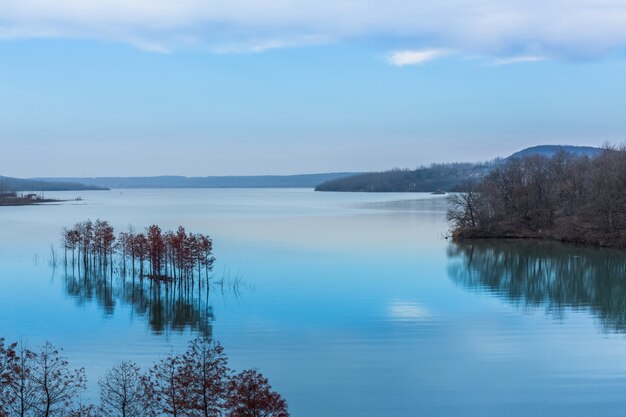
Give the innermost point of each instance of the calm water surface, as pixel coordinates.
(352, 304)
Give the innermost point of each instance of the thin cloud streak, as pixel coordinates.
(519, 60)
(415, 57)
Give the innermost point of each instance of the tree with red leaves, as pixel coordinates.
(140, 248)
(205, 373)
(205, 249)
(8, 371)
(250, 395)
(165, 385)
(84, 411)
(197, 383)
(156, 249)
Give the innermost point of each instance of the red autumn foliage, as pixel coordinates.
(170, 255)
(250, 395)
(196, 383)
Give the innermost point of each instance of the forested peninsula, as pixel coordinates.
(439, 177)
(566, 197)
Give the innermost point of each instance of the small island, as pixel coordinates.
(566, 197)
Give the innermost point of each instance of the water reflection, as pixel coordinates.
(165, 306)
(548, 274)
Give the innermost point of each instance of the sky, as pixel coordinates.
(242, 87)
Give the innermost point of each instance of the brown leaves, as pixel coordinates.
(197, 383)
(250, 395)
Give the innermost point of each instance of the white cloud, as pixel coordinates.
(557, 28)
(408, 57)
(520, 59)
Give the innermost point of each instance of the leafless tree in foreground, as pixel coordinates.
(122, 391)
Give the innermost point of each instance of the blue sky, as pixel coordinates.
(95, 88)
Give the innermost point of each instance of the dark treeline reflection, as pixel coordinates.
(165, 305)
(549, 274)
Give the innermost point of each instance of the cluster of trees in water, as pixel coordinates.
(196, 383)
(176, 255)
(566, 197)
(546, 274)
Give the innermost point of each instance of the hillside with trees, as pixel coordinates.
(570, 198)
(9, 184)
(439, 177)
(234, 181)
(444, 177)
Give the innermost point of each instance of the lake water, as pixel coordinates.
(351, 304)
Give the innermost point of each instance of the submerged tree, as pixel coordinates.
(178, 255)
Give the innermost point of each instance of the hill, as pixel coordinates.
(551, 150)
(445, 177)
(436, 177)
(8, 184)
(258, 181)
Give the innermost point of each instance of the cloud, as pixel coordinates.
(408, 57)
(520, 59)
(558, 28)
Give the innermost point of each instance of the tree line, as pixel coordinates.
(436, 177)
(175, 255)
(571, 198)
(196, 383)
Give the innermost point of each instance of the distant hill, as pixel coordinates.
(259, 181)
(551, 150)
(445, 177)
(8, 184)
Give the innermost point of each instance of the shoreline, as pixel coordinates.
(468, 235)
(18, 202)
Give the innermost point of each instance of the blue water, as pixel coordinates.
(351, 304)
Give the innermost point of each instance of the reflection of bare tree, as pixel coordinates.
(549, 274)
(165, 305)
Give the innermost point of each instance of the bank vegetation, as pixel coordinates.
(570, 198)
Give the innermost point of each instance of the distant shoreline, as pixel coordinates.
(23, 201)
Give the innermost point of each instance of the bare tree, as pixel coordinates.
(578, 199)
(56, 384)
(463, 209)
(122, 391)
(23, 389)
